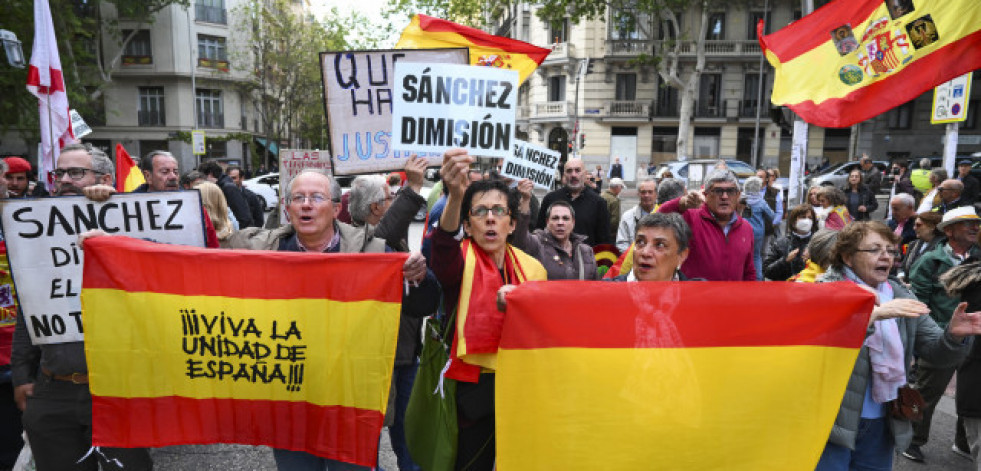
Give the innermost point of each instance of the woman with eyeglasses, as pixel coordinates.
(866, 433)
(472, 270)
(564, 254)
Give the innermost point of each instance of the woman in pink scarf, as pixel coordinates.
(865, 435)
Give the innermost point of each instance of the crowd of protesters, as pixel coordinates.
(488, 234)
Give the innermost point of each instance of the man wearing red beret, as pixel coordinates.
(19, 178)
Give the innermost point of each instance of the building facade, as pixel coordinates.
(626, 111)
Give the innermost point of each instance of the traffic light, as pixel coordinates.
(582, 140)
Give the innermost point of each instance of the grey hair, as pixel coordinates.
(820, 247)
(365, 190)
(335, 189)
(673, 221)
(940, 173)
(834, 195)
(906, 198)
(752, 185)
(669, 189)
(924, 163)
(720, 176)
(101, 162)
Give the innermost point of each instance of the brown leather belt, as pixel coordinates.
(76, 378)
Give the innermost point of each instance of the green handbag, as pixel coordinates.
(430, 418)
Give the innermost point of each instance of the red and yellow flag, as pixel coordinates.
(289, 350)
(650, 375)
(852, 60)
(128, 174)
(426, 32)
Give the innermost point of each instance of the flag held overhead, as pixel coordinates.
(852, 60)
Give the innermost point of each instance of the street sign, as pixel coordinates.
(197, 143)
(950, 100)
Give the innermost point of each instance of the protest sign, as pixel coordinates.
(359, 88)
(537, 164)
(438, 107)
(46, 261)
(222, 351)
(294, 161)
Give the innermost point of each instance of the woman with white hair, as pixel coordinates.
(760, 216)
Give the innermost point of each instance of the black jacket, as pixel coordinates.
(909, 234)
(592, 215)
(865, 198)
(236, 202)
(776, 267)
(971, 190)
(256, 208)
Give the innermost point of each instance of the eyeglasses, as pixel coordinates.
(731, 191)
(879, 251)
(941, 189)
(316, 198)
(75, 173)
(482, 211)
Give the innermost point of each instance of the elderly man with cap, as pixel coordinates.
(612, 197)
(971, 185)
(961, 226)
(18, 178)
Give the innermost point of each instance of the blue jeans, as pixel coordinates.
(873, 450)
(402, 379)
(289, 460)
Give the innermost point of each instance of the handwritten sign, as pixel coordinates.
(537, 164)
(46, 261)
(359, 90)
(439, 107)
(294, 161)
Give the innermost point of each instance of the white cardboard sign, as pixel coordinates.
(294, 161)
(438, 107)
(359, 88)
(46, 261)
(538, 164)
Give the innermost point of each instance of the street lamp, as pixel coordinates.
(15, 54)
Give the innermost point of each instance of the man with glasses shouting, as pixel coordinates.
(722, 242)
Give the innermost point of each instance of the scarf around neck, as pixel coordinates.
(886, 351)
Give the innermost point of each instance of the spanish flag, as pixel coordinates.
(290, 350)
(682, 375)
(852, 60)
(128, 174)
(426, 32)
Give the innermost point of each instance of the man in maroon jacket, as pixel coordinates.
(722, 242)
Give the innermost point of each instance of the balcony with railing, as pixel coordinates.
(210, 14)
(551, 110)
(627, 109)
(747, 109)
(627, 47)
(709, 109)
(561, 52)
(724, 48)
(211, 120)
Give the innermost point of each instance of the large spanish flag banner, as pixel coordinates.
(852, 60)
(289, 350)
(426, 32)
(689, 375)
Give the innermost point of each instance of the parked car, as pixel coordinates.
(694, 171)
(266, 187)
(837, 174)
